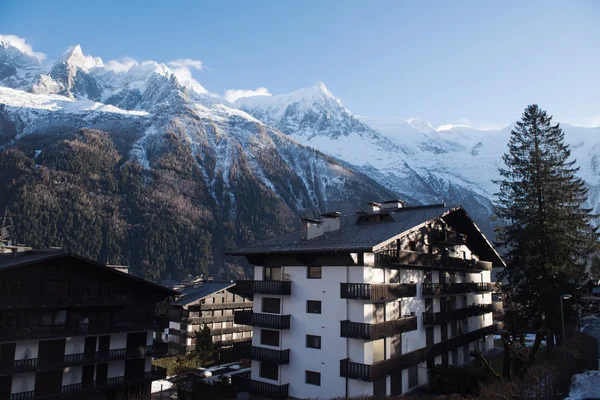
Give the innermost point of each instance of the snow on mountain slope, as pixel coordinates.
(145, 107)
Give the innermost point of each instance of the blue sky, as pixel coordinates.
(441, 61)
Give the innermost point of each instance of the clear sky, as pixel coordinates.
(442, 60)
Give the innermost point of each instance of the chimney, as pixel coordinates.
(392, 204)
(373, 207)
(311, 228)
(331, 221)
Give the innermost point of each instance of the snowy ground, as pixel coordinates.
(585, 386)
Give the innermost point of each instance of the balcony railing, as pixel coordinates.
(223, 331)
(227, 306)
(209, 320)
(442, 317)
(231, 342)
(32, 364)
(436, 289)
(377, 291)
(430, 261)
(54, 331)
(264, 287)
(377, 331)
(243, 349)
(269, 321)
(65, 301)
(279, 357)
(243, 383)
(373, 372)
(76, 390)
(449, 238)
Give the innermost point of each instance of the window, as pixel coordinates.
(313, 342)
(271, 305)
(269, 371)
(413, 376)
(313, 378)
(313, 273)
(272, 274)
(269, 337)
(313, 307)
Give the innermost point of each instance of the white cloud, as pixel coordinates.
(22, 45)
(186, 63)
(122, 65)
(182, 69)
(234, 94)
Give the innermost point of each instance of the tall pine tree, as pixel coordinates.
(547, 232)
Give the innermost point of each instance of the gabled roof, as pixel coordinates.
(368, 237)
(349, 238)
(191, 295)
(11, 261)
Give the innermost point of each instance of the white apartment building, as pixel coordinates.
(366, 309)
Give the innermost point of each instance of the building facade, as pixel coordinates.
(366, 309)
(202, 303)
(72, 328)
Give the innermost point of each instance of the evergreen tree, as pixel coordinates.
(547, 233)
(204, 346)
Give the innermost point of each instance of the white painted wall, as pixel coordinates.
(148, 364)
(23, 382)
(116, 368)
(74, 345)
(149, 338)
(72, 375)
(118, 341)
(26, 349)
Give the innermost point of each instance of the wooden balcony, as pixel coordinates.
(231, 342)
(32, 364)
(227, 306)
(209, 320)
(357, 330)
(279, 357)
(403, 258)
(269, 321)
(454, 315)
(447, 238)
(373, 372)
(377, 291)
(437, 289)
(244, 384)
(77, 390)
(22, 302)
(263, 287)
(8, 334)
(223, 331)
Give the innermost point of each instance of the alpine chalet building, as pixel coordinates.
(74, 329)
(366, 309)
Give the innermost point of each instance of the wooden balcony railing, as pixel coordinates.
(21, 302)
(244, 384)
(437, 289)
(231, 342)
(279, 357)
(263, 287)
(357, 330)
(32, 364)
(227, 306)
(269, 321)
(14, 333)
(442, 317)
(393, 258)
(449, 238)
(76, 390)
(377, 291)
(373, 372)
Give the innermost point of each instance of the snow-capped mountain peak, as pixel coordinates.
(75, 59)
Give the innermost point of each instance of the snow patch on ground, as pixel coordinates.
(585, 386)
